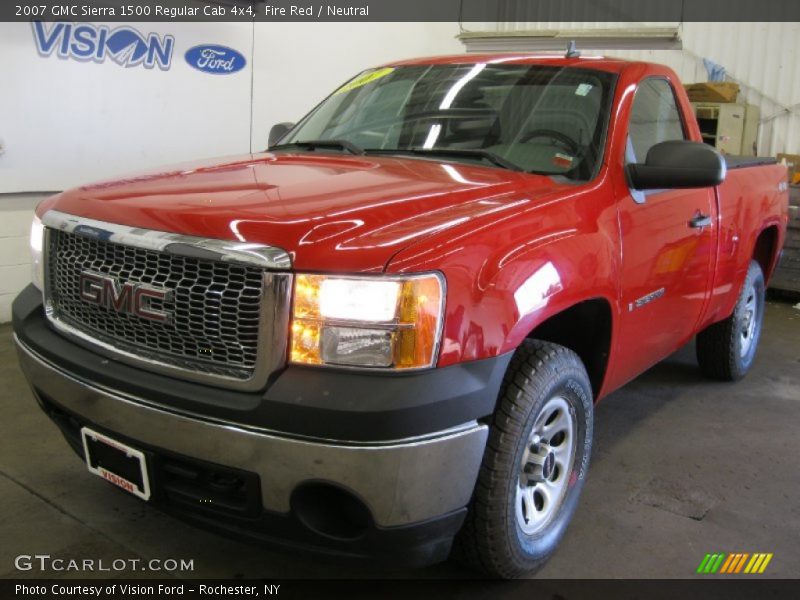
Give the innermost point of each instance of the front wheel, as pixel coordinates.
(535, 463)
(726, 350)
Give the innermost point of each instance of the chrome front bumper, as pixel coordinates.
(401, 482)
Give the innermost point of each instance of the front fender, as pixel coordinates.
(507, 275)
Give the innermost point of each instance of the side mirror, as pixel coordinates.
(678, 164)
(277, 132)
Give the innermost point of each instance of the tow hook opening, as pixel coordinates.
(330, 511)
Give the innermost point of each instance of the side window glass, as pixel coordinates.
(654, 118)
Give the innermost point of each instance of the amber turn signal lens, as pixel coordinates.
(418, 335)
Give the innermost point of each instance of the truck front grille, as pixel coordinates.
(215, 311)
(215, 307)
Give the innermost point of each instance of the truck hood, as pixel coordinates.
(330, 212)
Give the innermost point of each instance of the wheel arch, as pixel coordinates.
(765, 250)
(585, 328)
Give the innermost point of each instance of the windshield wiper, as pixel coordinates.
(444, 152)
(454, 152)
(314, 144)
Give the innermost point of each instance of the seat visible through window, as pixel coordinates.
(654, 118)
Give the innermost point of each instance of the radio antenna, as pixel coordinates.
(572, 50)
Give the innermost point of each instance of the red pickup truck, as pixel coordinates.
(387, 333)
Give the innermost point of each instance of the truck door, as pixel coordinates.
(668, 239)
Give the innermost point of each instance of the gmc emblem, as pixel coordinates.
(127, 298)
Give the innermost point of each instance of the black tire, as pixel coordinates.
(723, 350)
(492, 539)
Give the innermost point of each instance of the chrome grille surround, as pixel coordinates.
(229, 303)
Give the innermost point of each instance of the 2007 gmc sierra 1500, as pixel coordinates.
(387, 333)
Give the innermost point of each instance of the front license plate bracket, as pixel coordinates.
(116, 462)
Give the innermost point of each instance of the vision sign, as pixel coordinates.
(87, 42)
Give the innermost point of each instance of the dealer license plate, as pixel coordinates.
(116, 462)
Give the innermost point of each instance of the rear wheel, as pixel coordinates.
(535, 463)
(726, 350)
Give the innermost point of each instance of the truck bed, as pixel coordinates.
(733, 161)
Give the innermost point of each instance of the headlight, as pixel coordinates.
(37, 242)
(371, 321)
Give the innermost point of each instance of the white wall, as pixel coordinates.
(65, 122)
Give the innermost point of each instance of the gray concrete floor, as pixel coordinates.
(681, 467)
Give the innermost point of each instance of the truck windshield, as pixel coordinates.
(534, 118)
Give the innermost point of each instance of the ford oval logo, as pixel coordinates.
(219, 60)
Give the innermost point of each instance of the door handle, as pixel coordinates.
(700, 220)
